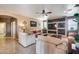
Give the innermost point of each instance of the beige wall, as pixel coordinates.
(20, 19)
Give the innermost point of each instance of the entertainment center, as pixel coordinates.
(61, 26)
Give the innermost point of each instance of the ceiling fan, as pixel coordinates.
(44, 13)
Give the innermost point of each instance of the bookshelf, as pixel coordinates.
(57, 26)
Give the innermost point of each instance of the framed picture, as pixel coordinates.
(33, 23)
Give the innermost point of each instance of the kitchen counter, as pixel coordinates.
(25, 39)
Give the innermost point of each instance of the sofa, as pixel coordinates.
(51, 45)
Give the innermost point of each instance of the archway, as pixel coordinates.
(8, 26)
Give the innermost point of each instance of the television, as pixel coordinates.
(52, 26)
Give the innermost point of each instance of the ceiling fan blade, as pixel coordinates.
(49, 12)
(77, 5)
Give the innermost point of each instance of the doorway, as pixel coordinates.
(2, 29)
(8, 26)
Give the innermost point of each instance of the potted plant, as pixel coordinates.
(77, 20)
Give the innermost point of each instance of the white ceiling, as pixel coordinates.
(31, 9)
